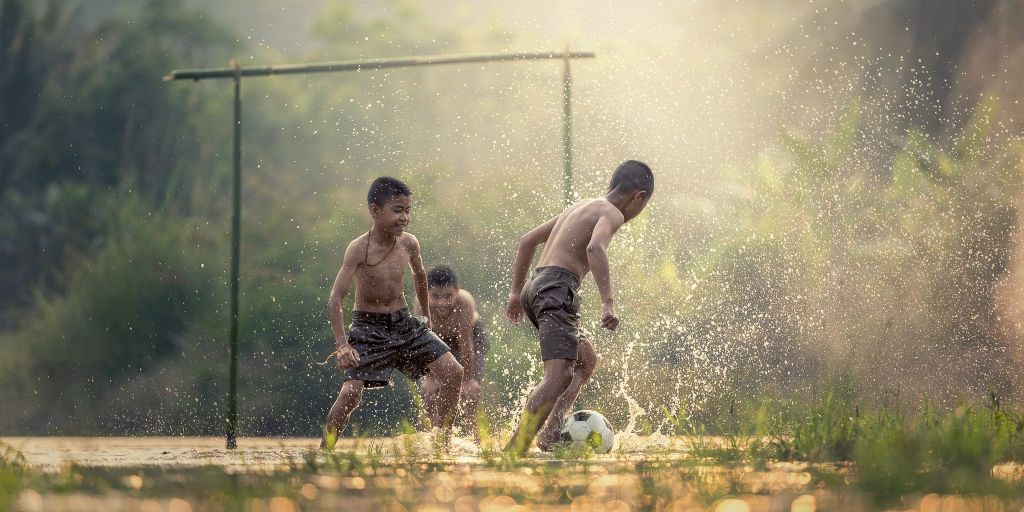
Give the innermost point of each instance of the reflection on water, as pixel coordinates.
(413, 473)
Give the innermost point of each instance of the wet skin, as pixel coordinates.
(576, 239)
(376, 262)
(453, 311)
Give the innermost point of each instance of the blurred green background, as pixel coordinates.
(838, 191)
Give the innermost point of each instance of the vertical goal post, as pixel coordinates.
(236, 72)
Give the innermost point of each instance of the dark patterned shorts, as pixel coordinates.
(386, 341)
(551, 300)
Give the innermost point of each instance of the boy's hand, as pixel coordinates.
(514, 309)
(426, 321)
(609, 320)
(347, 357)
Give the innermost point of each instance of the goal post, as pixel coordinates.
(235, 72)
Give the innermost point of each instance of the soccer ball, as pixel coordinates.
(589, 428)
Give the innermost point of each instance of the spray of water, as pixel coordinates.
(836, 195)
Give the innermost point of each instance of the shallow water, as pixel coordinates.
(53, 453)
(184, 474)
(262, 454)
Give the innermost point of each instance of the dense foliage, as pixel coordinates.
(849, 243)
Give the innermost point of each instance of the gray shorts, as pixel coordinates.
(481, 344)
(551, 301)
(386, 341)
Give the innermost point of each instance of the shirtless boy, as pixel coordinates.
(383, 335)
(575, 242)
(456, 321)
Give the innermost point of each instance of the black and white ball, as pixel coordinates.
(589, 428)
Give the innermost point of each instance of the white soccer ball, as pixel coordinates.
(589, 428)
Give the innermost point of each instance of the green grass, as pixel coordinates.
(951, 452)
(894, 451)
(14, 473)
(767, 451)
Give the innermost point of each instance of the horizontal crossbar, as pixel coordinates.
(326, 67)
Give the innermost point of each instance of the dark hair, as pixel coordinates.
(632, 175)
(442, 275)
(386, 188)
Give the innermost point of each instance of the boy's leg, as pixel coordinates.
(448, 373)
(471, 397)
(558, 374)
(469, 400)
(428, 391)
(582, 371)
(348, 399)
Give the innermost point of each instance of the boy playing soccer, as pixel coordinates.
(575, 242)
(456, 321)
(383, 335)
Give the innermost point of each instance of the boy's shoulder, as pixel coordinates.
(610, 210)
(358, 242)
(409, 240)
(605, 205)
(466, 298)
(598, 205)
(361, 240)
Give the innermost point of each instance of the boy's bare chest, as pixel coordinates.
(386, 273)
(447, 326)
(451, 324)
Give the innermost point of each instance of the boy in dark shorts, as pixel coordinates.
(383, 335)
(575, 242)
(456, 321)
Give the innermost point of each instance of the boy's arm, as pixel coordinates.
(419, 277)
(466, 310)
(524, 255)
(347, 356)
(597, 258)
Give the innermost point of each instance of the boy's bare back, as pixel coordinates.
(577, 239)
(572, 231)
(575, 244)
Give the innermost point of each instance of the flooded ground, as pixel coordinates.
(412, 473)
(51, 454)
(256, 454)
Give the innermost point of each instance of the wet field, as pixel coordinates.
(413, 472)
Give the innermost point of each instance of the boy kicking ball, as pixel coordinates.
(575, 242)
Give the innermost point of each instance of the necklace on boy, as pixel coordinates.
(366, 257)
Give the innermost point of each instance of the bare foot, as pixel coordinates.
(548, 437)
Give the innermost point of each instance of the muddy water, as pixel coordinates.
(261, 454)
(53, 453)
(401, 473)
(410, 473)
